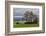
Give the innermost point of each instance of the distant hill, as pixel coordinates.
(22, 18)
(18, 18)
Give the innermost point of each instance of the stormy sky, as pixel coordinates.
(21, 11)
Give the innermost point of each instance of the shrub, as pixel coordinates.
(27, 22)
(34, 22)
(17, 22)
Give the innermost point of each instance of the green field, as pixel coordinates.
(21, 24)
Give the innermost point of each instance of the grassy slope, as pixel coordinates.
(20, 25)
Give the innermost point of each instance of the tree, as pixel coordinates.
(36, 20)
(26, 15)
(31, 15)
